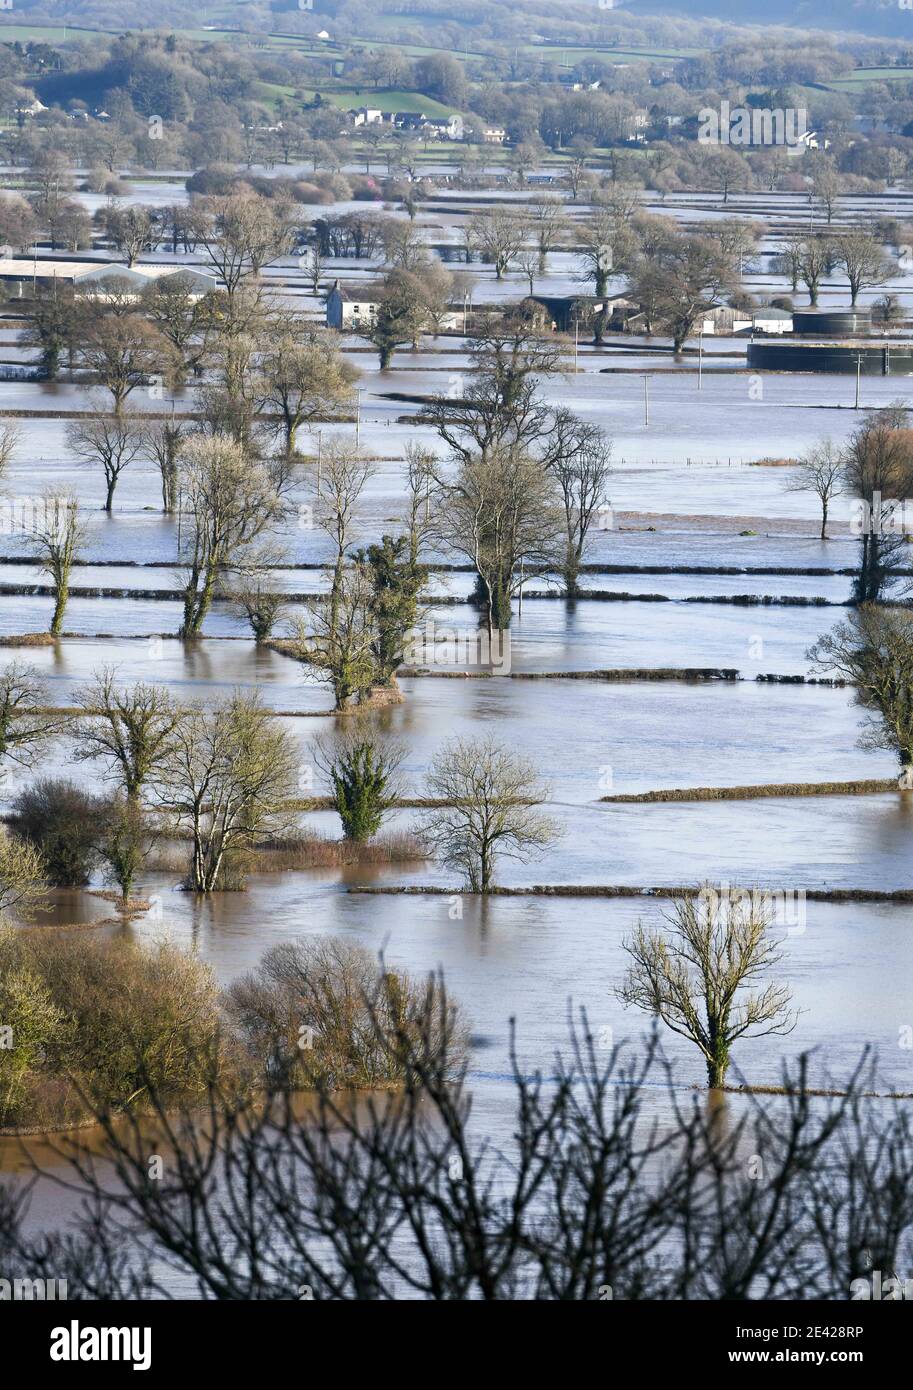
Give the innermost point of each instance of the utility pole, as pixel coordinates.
(576, 341)
(700, 359)
(319, 454)
(646, 400)
(359, 390)
(858, 376)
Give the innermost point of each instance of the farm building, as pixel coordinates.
(21, 276)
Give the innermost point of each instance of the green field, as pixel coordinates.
(46, 33)
(567, 57)
(344, 97)
(864, 77)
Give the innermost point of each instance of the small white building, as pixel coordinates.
(349, 308)
(444, 127)
(367, 115)
(773, 321)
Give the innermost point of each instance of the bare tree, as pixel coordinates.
(874, 650)
(699, 977)
(245, 235)
(303, 376)
(25, 726)
(607, 245)
(58, 533)
(820, 471)
(549, 225)
(679, 280)
(10, 437)
(130, 729)
(579, 457)
(111, 441)
(816, 259)
(228, 778)
(228, 501)
(860, 256)
(501, 512)
(124, 352)
(500, 234)
(161, 440)
(250, 587)
(878, 474)
(489, 798)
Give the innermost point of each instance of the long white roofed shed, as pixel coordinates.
(21, 274)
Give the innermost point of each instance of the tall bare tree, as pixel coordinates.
(130, 729)
(58, 533)
(107, 441)
(820, 471)
(489, 799)
(700, 976)
(229, 776)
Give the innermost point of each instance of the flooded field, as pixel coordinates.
(704, 560)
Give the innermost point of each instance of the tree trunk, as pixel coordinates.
(63, 593)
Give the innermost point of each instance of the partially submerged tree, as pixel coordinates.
(250, 588)
(123, 841)
(873, 649)
(161, 441)
(360, 765)
(58, 533)
(110, 442)
(131, 729)
(702, 977)
(303, 377)
(228, 501)
(820, 471)
(580, 460)
(489, 799)
(878, 475)
(228, 779)
(502, 513)
(26, 727)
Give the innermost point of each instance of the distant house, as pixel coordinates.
(409, 120)
(444, 127)
(367, 115)
(31, 108)
(566, 310)
(349, 308)
(494, 135)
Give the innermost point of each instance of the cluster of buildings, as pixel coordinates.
(435, 127)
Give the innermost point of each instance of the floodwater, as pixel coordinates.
(685, 495)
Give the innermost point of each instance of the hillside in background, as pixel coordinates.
(873, 17)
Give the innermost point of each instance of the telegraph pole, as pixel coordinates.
(700, 359)
(646, 400)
